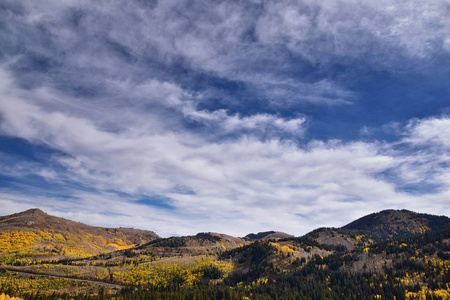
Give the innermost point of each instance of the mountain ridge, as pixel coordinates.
(36, 218)
(35, 230)
(391, 223)
(385, 254)
(405, 223)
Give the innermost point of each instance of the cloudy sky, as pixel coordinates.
(242, 116)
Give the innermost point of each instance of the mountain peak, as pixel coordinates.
(393, 223)
(34, 211)
(60, 232)
(267, 235)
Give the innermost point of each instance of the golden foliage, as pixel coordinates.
(36, 242)
(425, 293)
(6, 297)
(184, 271)
(22, 285)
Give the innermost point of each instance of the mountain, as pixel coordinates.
(201, 244)
(392, 254)
(267, 235)
(338, 236)
(384, 225)
(51, 237)
(395, 224)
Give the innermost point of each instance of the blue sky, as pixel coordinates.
(227, 116)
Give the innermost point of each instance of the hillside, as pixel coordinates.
(339, 237)
(380, 226)
(267, 235)
(385, 255)
(49, 237)
(205, 243)
(394, 224)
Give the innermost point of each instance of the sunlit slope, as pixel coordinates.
(36, 234)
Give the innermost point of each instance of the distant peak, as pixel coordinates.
(392, 223)
(34, 211)
(267, 235)
(390, 211)
(259, 234)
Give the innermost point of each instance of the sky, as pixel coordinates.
(242, 116)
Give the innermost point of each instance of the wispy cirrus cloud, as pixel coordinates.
(167, 113)
(256, 182)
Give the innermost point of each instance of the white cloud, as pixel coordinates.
(235, 40)
(133, 41)
(432, 132)
(126, 123)
(324, 29)
(235, 185)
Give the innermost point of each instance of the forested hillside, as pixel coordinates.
(34, 235)
(388, 255)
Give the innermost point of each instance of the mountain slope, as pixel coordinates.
(395, 224)
(200, 244)
(389, 254)
(33, 231)
(380, 226)
(338, 236)
(267, 235)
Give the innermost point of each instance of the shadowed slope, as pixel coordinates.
(267, 235)
(398, 224)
